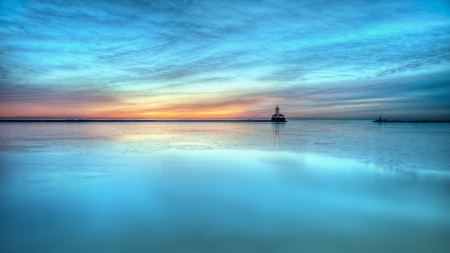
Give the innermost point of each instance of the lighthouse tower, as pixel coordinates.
(278, 117)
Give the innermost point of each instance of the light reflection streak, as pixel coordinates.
(277, 132)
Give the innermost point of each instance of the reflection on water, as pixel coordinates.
(277, 133)
(404, 146)
(221, 191)
(277, 127)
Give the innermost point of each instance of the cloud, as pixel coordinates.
(147, 51)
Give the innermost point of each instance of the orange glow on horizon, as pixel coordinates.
(143, 106)
(43, 112)
(213, 107)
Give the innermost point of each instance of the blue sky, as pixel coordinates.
(225, 59)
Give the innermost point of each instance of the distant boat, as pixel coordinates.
(278, 117)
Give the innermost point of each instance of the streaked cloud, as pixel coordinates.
(237, 58)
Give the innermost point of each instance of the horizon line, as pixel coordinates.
(196, 119)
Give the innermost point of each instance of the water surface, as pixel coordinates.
(313, 186)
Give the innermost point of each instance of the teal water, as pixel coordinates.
(302, 186)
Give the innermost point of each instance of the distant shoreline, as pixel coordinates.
(128, 120)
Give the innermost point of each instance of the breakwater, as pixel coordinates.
(412, 121)
(130, 120)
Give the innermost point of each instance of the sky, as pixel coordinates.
(225, 59)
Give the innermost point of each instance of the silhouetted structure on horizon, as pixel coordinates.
(410, 121)
(278, 117)
(380, 120)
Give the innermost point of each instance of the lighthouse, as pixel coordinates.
(278, 117)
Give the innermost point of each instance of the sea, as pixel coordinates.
(300, 186)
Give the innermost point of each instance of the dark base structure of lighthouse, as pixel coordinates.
(277, 117)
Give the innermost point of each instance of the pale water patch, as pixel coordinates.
(141, 137)
(184, 143)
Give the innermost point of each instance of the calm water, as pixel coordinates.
(302, 186)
